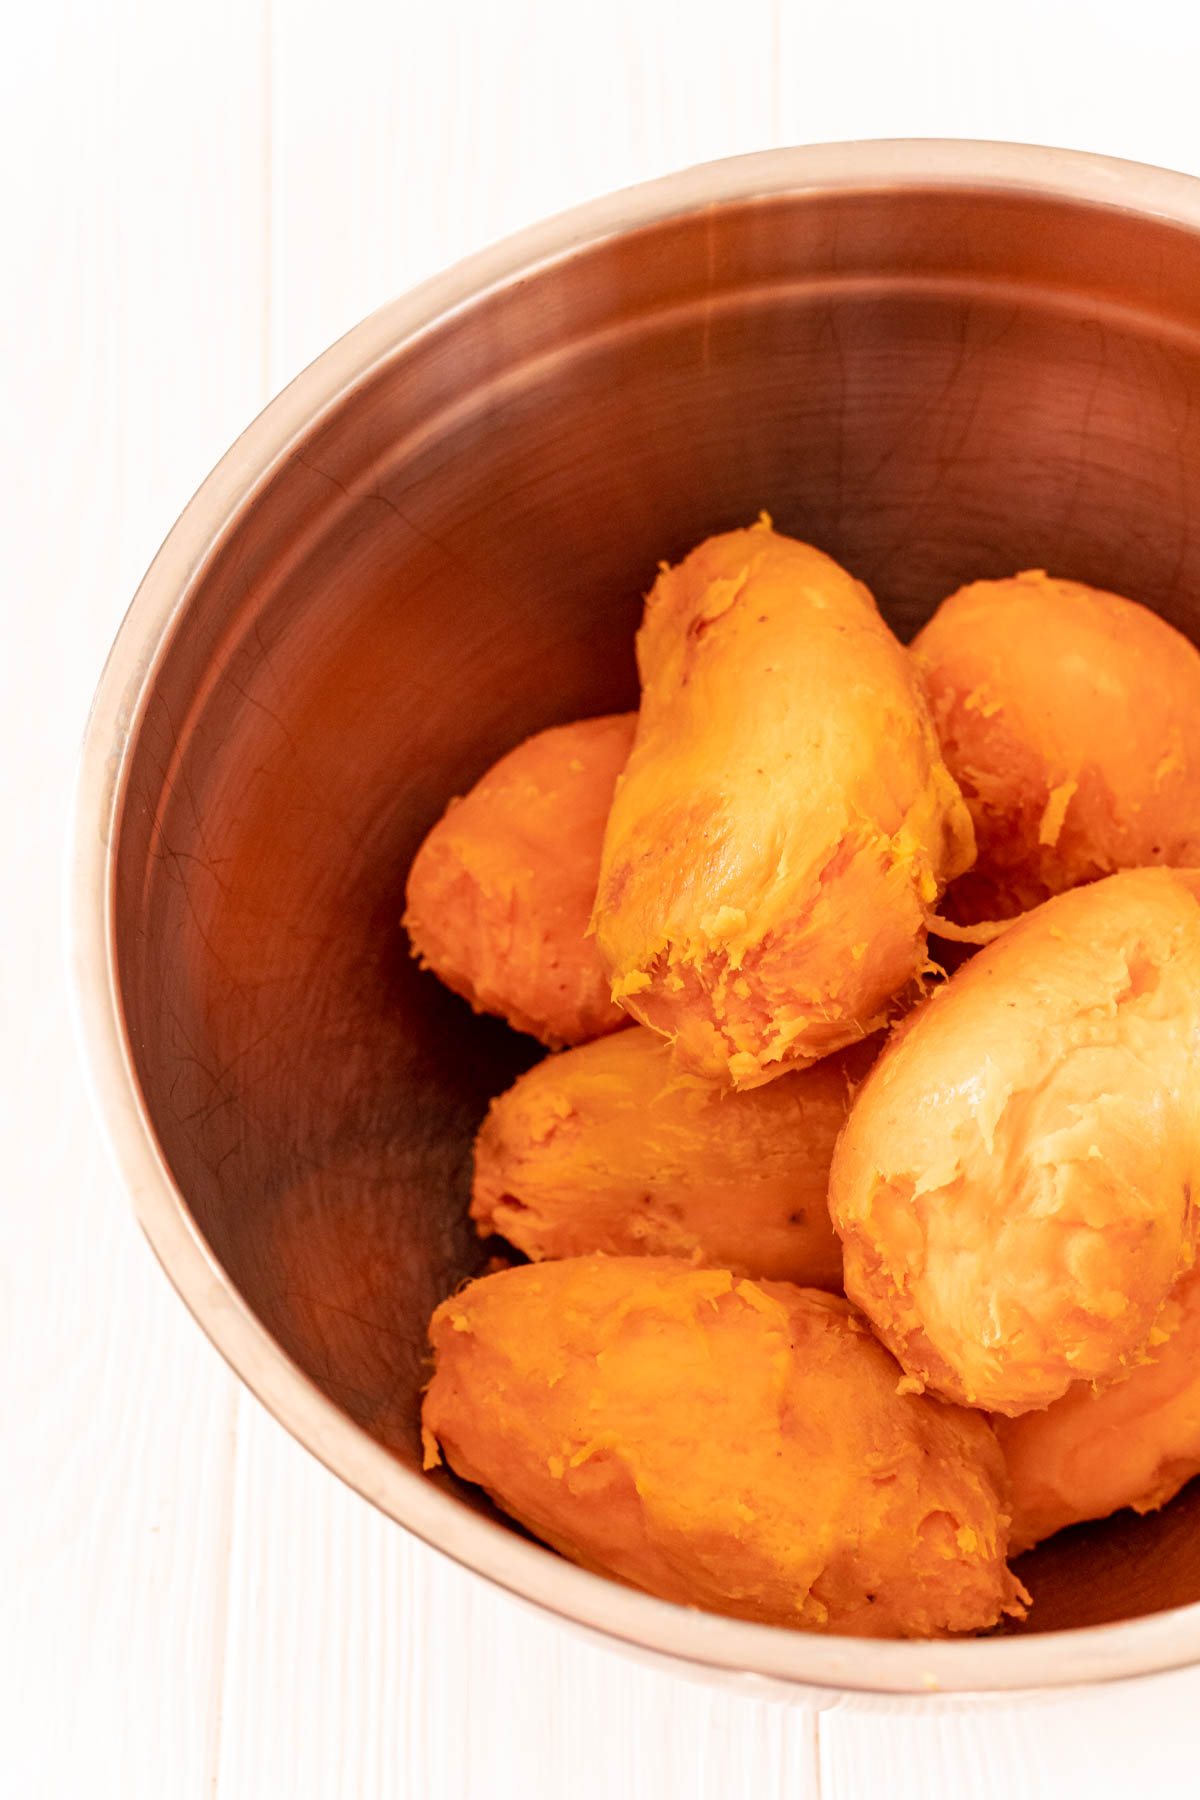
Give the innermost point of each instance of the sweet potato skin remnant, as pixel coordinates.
(1014, 1185)
(727, 1444)
(1132, 1444)
(611, 1147)
(501, 890)
(785, 821)
(1070, 718)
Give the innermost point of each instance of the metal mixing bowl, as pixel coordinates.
(937, 361)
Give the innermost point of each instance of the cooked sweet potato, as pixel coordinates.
(500, 892)
(1070, 718)
(721, 1443)
(1132, 1444)
(611, 1147)
(785, 821)
(1014, 1184)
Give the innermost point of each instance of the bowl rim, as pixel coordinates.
(759, 1657)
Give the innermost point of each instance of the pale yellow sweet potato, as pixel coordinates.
(785, 821)
(501, 890)
(1132, 1444)
(1070, 718)
(1014, 1184)
(611, 1147)
(722, 1443)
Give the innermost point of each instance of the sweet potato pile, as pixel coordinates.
(996, 1167)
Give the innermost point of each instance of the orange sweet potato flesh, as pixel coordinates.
(501, 890)
(1014, 1184)
(785, 821)
(611, 1147)
(725, 1444)
(1132, 1444)
(1070, 718)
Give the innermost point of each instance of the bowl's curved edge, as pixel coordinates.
(708, 1645)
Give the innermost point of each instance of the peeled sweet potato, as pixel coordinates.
(611, 1147)
(785, 822)
(501, 890)
(1132, 1444)
(1070, 718)
(1014, 1186)
(727, 1444)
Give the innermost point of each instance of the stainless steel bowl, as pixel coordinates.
(937, 361)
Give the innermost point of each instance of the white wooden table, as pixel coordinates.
(197, 199)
